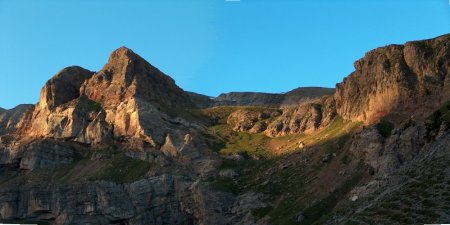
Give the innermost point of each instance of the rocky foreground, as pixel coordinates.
(126, 145)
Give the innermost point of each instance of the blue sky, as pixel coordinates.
(209, 46)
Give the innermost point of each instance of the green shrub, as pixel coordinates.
(94, 106)
(261, 212)
(225, 184)
(122, 168)
(385, 128)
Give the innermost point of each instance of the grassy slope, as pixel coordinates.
(277, 168)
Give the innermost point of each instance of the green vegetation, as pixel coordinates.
(225, 184)
(253, 145)
(114, 165)
(346, 159)
(439, 116)
(322, 208)
(261, 212)
(385, 128)
(93, 105)
(122, 169)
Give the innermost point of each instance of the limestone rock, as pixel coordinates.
(387, 155)
(230, 173)
(80, 119)
(10, 119)
(63, 87)
(410, 79)
(245, 120)
(126, 76)
(303, 119)
(37, 154)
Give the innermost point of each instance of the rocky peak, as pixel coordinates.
(126, 76)
(122, 63)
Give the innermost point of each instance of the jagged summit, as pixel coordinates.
(127, 75)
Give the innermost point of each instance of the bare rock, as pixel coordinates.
(303, 119)
(126, 76)
(63, 87)
(10, 119)
(299, 217)
(410, 79)
(230, 173)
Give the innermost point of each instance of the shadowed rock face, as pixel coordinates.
(63, 87)
(411, 79)
(292, 98)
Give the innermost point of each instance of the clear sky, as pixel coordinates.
(209, 46)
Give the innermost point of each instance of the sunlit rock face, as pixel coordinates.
(128, 100)
(412, 79)
(303, 118)
(127, 75)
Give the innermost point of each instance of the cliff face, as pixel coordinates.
(303, 118)
(410, 79)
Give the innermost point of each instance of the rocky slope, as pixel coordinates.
(292, 98)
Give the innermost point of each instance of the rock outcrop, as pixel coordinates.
(125, 101)
(386, 155)
(9, 119)
(253, 121)
(304, 118)
(63, 87)
(411, 79)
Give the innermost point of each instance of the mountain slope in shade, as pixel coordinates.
(291, 98)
